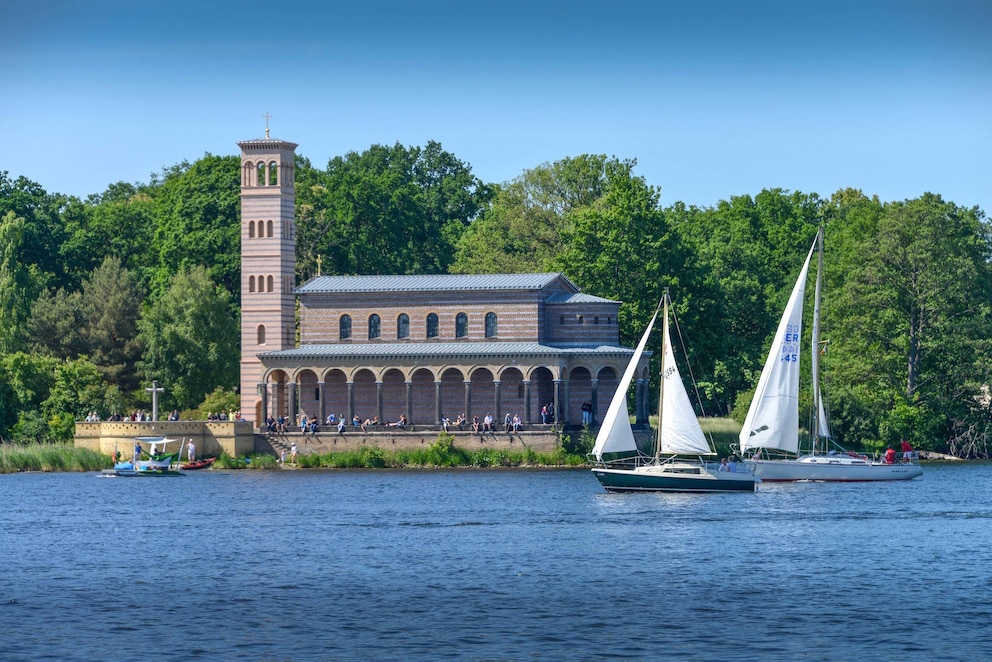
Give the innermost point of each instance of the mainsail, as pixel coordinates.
(773, 419)
(616, 435)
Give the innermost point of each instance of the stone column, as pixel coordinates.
(595, 403)
(498, 401)
(557, 401)
(437, 403)
(263, 391)
(565, 416)
(351, 402)
(321, 408)
(639, 396)
(468, 401)
(293, 412)
(527, 418)
(409, 402)
(378, 403)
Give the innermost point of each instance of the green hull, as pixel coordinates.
(626, 480)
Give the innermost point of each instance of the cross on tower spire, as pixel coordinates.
(267, 117)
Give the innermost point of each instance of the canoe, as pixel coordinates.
(199, 464)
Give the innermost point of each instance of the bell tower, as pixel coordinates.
(268, 262)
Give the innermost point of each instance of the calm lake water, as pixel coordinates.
(491, 565)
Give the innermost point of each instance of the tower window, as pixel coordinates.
(374, 327)
(261, 334)
(461, 325)
(432, 325)
(251, 283)
(251, 229)
(490, 325)
(403, 326)
(260, 174)
(345, 327)
(269, 227)
(273, 173)
(269, 283)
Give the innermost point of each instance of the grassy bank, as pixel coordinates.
(50, 457)
(442, 453)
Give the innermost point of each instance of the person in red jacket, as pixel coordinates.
(907, 451)
(890, 456)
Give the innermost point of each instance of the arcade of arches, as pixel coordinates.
(428, 394)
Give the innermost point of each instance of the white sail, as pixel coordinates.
(773, 419)
(680, 431)
(823, 425)
(616, 435)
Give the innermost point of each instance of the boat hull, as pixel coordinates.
(825, 468)
(641, 480)
(132, 473)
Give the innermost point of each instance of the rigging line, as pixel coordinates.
(688, 364)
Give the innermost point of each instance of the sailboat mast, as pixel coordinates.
(815, 363)
(661, 385)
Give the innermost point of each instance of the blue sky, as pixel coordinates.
(713, 98)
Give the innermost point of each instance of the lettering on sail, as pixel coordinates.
(790, 346)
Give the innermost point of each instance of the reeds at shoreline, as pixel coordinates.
(50, 457)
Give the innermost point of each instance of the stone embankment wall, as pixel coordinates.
(231, 437)
(333, 442)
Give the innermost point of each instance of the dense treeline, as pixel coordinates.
(100, 296)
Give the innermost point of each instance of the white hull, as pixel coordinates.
(832, 468)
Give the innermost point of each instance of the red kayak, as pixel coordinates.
(199, 464)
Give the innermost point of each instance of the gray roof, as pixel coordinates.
(578, 297)
(431, 283)
(454, 350)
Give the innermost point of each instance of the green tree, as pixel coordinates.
(190, 339)
(19, 283)
(119, 222)
(76, 390)
(197, 214)
(910, 320)
(26, 381)
(110, 303)
(386, 210)
(56, 323)
(521, 230)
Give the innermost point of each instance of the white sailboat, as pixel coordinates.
(619, 465)
(771, 428)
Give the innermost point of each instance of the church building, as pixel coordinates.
(426, 347)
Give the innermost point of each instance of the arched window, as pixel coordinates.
(261, 334)
(461, 325)
(251, 283)
(273, 173)
(403, 326)
(432, 325)
(251, 229)
(269, 283)
(490, 325)
(595, 320)
(260, 174)
(373, 326)
(581, 320)
(345, 327)
(269, 225)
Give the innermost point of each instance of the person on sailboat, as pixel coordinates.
(723, 465)
(732, 465)
(890, 455)
(907, 451)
